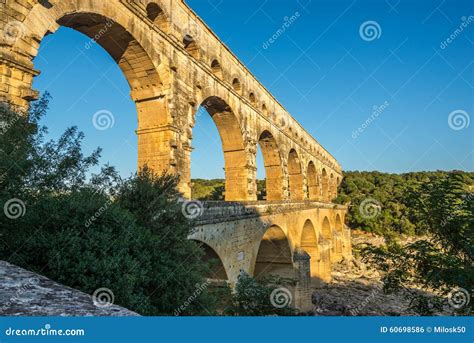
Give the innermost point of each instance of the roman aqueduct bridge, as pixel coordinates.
(175, 64)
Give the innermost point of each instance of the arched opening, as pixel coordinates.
(295, 176)
(191, 46)
(336, 185)
(253, 99)
(325, 250)
(264, 110)
(325, 185)
(216, 267)
(313, 188)
(273, 167)
(216, 68)
(136, 67)
(326, 230)
(274, 255)
(332, 187)
(235, 160)
(337, 244)
(237, 86)
(309, 243)
(156, 14)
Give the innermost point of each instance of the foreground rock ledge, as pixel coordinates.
(23, 293)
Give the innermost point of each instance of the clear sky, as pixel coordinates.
(339, 64)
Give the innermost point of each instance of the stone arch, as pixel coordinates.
(125, 43)
(253, 99)
(216, 68)
(338, 224)
(325, 185)
(274, 255)
(191, 46)
(127, 52)
(312, 177)
(235, 157)
(295, 175)
(332, 187)
(309, 244)
(325, 250)
(237, 85)
(339, 237)
(273, 167)
(325, 230)
(217, 269)
(157, 15)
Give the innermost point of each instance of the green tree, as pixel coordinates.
(253, 297)
(444, 209)
(128, 236)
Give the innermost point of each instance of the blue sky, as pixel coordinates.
(327, 72)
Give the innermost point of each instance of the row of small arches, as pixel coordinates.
(157, 15)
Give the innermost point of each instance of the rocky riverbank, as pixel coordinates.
(357, 289)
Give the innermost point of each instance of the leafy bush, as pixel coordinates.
(252, 297)
(444, 261)
(128, 236)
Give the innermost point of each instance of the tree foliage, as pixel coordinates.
(253, 297)
(395, 193)
(125, 235)
(442, 262)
